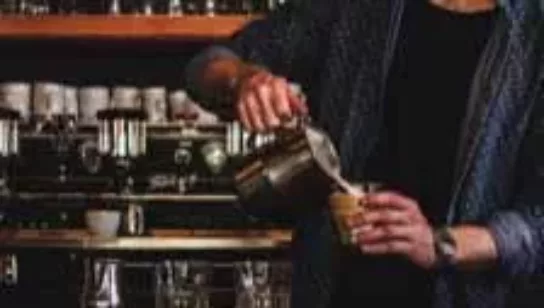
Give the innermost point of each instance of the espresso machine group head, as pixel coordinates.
(122, 141)
(9, 145)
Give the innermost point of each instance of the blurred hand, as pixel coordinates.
(266, 101)
(393, 224)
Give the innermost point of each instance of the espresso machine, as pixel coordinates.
(182, 239)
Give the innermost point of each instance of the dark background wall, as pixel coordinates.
(97, 61)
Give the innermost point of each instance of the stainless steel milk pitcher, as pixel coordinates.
(290, 174)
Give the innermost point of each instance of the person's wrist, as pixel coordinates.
(445, 248)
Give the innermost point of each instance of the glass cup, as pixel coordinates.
(345, 206)
(183, 284)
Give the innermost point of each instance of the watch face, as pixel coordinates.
(448, 249)
(445, 246)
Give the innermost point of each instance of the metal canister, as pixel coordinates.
(127, 97)
(155, 104)
(16, 96)
(92, 99)
(48, 101)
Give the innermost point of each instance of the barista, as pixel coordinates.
(338, 51)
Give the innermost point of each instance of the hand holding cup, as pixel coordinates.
(393, 224)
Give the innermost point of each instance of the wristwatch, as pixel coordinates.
(444, 247)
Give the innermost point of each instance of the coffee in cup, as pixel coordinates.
(344, 206)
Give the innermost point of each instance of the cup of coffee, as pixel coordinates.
(344, 206)
(103, 223)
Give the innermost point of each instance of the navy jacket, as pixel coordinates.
(340, 52)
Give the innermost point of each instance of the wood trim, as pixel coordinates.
(122, 27)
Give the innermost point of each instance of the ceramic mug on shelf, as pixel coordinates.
(103, 223)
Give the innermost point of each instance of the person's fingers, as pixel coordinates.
(354, 220)
(387, 247)
(267, 101)
(389, 199)
(385, 216)
(248, 109)
(266, 98)
(281, 101)
(251, 102)
(384, 233)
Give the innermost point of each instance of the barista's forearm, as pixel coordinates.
(475, 247)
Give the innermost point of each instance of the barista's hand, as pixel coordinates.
(393, 224)
(265, 100)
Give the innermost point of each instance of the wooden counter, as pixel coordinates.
(158, 240)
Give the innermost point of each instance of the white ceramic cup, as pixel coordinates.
(103, 223)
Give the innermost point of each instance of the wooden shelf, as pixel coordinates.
(122, 27)
(160, 240)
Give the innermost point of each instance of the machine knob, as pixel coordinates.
(90, 157)
(183, 156)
